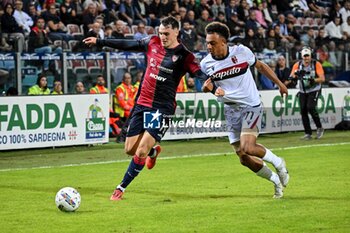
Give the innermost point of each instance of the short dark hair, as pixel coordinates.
(170, 21)
(40, 17)
(108, 27)
(219, 28)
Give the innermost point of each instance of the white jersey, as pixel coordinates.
(233, 75)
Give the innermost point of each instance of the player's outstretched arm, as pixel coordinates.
(90, 41)
(122, 44)
(270, 74)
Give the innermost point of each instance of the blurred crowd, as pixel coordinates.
(271, 28)
(268, 27)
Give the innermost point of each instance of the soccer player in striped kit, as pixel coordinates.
(167, 61)
(230, 79)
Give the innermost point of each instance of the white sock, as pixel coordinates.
(121, 188)
(272, 158)
(267, 173)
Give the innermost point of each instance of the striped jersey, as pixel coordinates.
(165, 68)
(233, 75)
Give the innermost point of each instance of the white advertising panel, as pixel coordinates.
(198, 115)
(280, 114)
(283, 114)
(53, 120)
(48, 121)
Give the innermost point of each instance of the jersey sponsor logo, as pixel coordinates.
(166, 70)
(157, 77)
(230, 72)
(154, 66)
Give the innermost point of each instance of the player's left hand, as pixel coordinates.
(219, 92)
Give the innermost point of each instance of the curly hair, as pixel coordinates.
(219, 28)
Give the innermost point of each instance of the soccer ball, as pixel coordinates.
(68, 199)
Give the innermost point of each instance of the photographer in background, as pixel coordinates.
(310, 75)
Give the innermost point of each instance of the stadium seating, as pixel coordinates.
(29, 80)
(101, 63)
(132, 70)
(74, 30)
(127, 30)
(50, 81)
(80, 73)
(8, 65)
(134, 29)
(61, 43)
(82, 28)
(118, 74)
(149, 29)
(72, 44)
(90, 63)
(94, 71)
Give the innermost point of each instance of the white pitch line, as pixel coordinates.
(172, 157)
(309, 146)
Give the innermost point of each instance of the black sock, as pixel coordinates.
(135, 167)
(151, 152)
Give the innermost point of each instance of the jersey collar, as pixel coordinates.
(228, 53)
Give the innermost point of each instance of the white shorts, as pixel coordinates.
(242, 119)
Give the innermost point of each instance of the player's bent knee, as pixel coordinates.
(142, 151)
(248, 149)
(244, 159)
(245, 149)
(129, 150)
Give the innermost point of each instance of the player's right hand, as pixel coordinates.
(207, 85)
(90, 41)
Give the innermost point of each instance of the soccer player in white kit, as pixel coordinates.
(230, 79)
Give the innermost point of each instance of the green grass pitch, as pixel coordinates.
(197, 186)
